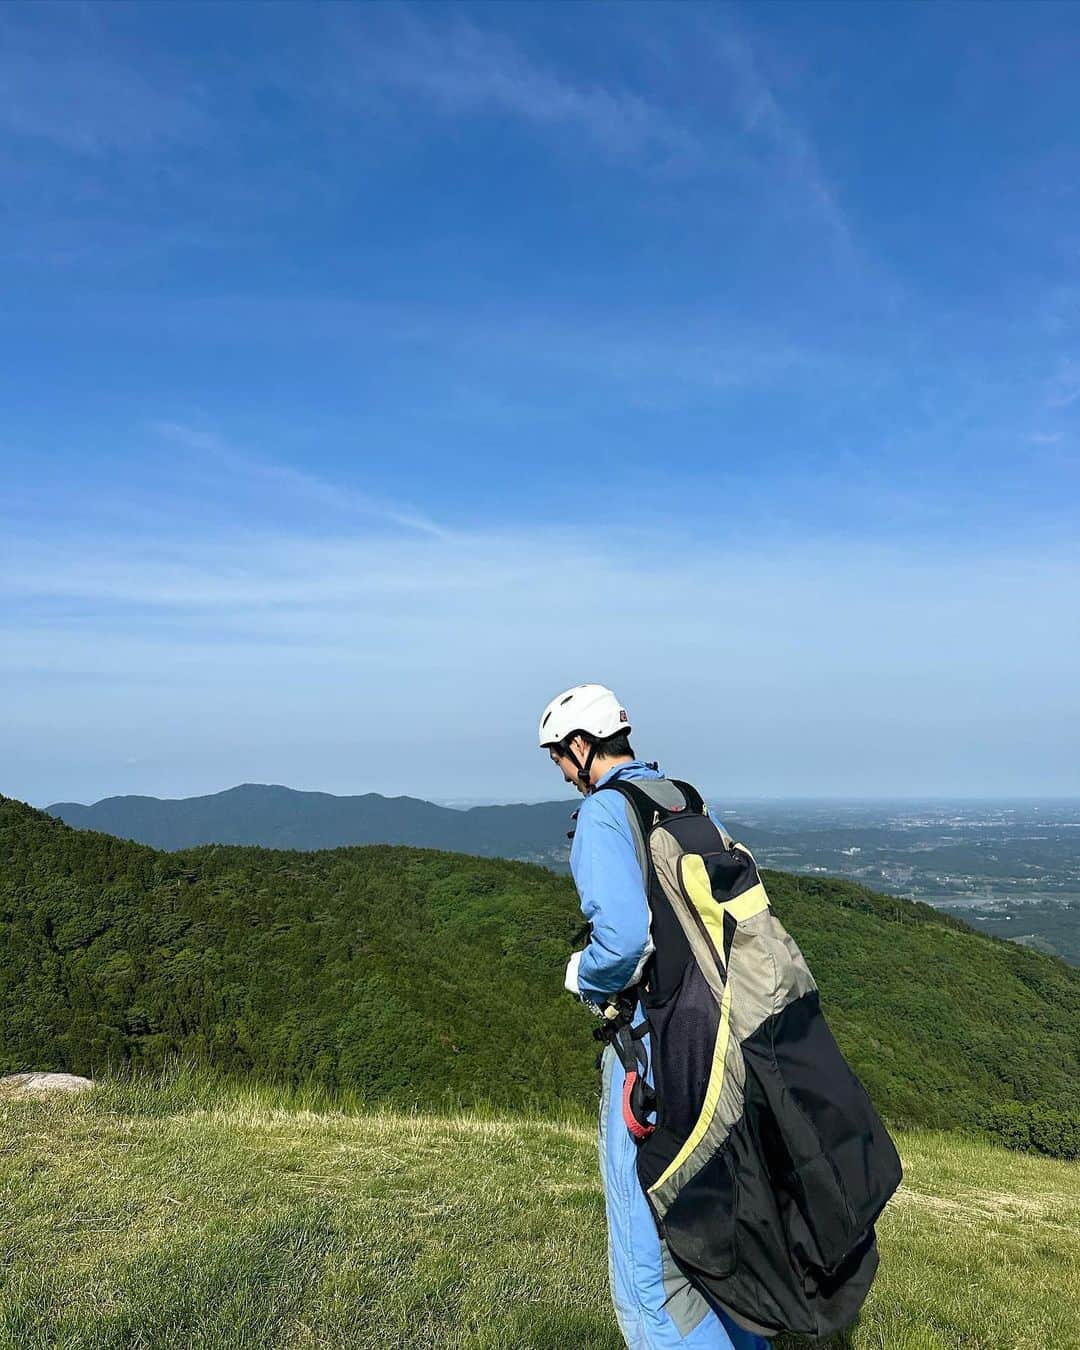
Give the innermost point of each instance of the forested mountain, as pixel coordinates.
(414, 973)
(281, 817)
(1012, 867)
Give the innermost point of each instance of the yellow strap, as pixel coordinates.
(699, 890)
(748, 904)
(712, 1092)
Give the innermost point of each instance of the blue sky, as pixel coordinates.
(371, 373)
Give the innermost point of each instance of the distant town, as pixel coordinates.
(1010, 868)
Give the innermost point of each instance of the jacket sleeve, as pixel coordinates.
(718, 822)
(609, 882)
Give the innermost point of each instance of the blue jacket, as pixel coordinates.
(608, 877)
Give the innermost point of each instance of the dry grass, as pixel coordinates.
(181, 1213)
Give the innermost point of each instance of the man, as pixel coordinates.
(586, 732)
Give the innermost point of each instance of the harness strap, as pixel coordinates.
(638, 1097)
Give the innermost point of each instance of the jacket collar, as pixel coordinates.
(634, 768)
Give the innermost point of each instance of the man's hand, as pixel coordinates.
(571, 980)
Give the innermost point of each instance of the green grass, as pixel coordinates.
(188, 1211)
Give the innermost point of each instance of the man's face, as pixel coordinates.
(566, 765)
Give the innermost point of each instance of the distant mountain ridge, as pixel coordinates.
(272, 816)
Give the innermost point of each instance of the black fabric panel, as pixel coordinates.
(672, 956)
(655, 1156)
(696, 834)
(732, 1243)
(731, 873)
(684, 1029)
(788, 1189)
(706, 1246)
(834, 1156)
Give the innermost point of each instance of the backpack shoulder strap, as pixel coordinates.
(693, 798)
(695, 802)
(647, 810)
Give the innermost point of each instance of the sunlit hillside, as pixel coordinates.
(429, 977)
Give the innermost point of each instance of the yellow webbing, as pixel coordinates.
(698, 888)
(712, 1092)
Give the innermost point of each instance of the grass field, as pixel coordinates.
(187, 1212)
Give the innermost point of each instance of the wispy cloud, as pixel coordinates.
(65, 79)
(86, 88)
(730, 128)
(520, 579)
(297, 483)
(463, 69)
(227, 637)
(785, 139)
(271, 650)
(654, 357)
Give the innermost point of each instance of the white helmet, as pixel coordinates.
(586, 707)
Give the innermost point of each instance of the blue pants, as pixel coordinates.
(656, 1305)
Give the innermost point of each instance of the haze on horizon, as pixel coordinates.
(370, 374)
(728, 801)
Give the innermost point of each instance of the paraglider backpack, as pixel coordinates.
(767, 1165)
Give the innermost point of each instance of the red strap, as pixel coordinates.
(636, 1128)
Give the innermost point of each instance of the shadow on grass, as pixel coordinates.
(843, 1340)
(551, 1327)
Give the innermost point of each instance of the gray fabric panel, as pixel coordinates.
(685, 1305)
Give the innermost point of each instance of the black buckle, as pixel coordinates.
(610, 1027)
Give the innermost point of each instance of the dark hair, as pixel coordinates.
(612, 746)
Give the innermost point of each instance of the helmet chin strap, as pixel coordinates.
(583, 769)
